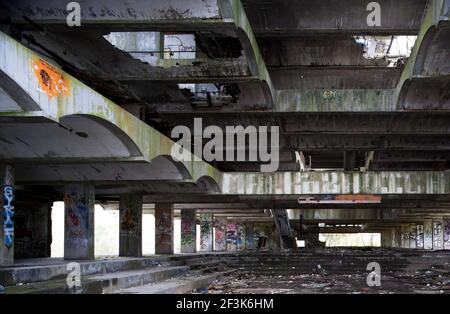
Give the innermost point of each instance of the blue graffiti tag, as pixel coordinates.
(8, 215)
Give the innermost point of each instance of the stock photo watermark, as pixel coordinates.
(241, 144)
(374, 277)
(73, 279)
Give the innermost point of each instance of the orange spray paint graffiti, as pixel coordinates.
(51, 80)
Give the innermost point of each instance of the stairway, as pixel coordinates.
(173, 274)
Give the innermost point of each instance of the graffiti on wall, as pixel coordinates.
(51, 80)
(240, 237)
(8, 215)
(188, 228)
(231, 236)
(128, 222)
(206, 232)
(447, 234)
(250, 237)
(77, 218)
(220, 225)
(420, 237)
(428, 235)
(437, 235)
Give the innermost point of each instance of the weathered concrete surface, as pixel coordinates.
(335, 100)
(79, 201)
(7, 180)
(337, 182)
(188, 231)
(73, 99)
(206, 232)
(424, 83)
(164, 242)
(116, 14)
(130, 222)
(293, 17)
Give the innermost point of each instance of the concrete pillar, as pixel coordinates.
(428, 234)
(419, 236)
(7, 216)
(438, 235)
(79, 201)
(220, 233)
(206, 232)
(164, 228)
(249, 236)
(240, 236)
(231, 235)
(446, 233)
(130, 222)
(412, 236)
(398, 237)
(405, 236)
(188, 231)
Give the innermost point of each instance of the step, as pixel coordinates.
(25, 273)
(103, 283)
(185, 284)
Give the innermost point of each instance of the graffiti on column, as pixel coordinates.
(164, 228)
(128, 223)
(8, 215)
(77, 218)
(231, 236)
(240, 237)
(250, 237)
(428, 235)
(420, 239)
(206, 232)
(437, 235)
(220, 225)
(447, 234)
(188, 228)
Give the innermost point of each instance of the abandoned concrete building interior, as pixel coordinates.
(225, 146)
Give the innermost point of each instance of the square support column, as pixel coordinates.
(7, 216)
(412, 236)
(130, 222)
(240, 236)
(79, 202)
(206, 232)
(249, 237)
(438, 235)
(231, 235)
(405, 236)
(188, 231)
(220, 235)
(446, 233)
(419, 236)
(164, 228)
(428, 234)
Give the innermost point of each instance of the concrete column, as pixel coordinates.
(412, 236)
(231, 235)
(130, 222)
(163, 228)
(405, 236)
(7, 216)
(188, 231)
(419, 236)
(206, 232)
(220, 233)
(428, 234)
(79, 201)
(249, 237)
(438, 235)
(398, 237)
(446, 233)
(240, 236)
